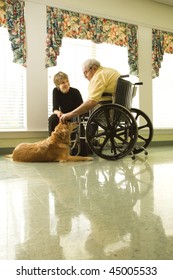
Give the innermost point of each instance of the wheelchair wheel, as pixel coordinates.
(145, 131)
(111, 132)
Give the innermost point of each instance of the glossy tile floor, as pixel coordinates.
(96, 210)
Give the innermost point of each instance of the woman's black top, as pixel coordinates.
(66, 102)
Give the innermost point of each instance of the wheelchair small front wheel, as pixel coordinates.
(145, 131)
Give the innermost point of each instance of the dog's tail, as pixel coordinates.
(8, 156)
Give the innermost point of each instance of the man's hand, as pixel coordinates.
(65, 117)
(82, 109)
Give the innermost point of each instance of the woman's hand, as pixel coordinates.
(59, 114)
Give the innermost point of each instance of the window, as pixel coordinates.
(163, 94)
(74, 52)
(12, 88)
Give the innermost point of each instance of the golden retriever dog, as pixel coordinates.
(55, 148)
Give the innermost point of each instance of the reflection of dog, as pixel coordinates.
(55, 148)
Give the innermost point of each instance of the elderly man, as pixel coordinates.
(102, 86)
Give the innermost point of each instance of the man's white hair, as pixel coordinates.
(89, 63)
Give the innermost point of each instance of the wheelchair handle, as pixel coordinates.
(124, 76)
(138, 84)
(135, 84)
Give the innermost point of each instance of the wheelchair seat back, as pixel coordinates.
(124, 92)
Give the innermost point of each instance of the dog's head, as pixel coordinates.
(63, 130)
(72, 125)
(68, 125)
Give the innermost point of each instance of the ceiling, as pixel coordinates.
(166, 2)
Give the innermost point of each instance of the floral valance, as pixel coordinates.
(12, 17)
(168, 42)
(162, 42)
(2, 13)
(62, 23)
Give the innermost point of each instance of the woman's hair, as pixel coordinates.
(90, 63)
(59, 77)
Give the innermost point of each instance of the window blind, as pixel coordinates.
(12, 88)
(162, 94)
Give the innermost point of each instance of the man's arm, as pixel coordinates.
(83, 108)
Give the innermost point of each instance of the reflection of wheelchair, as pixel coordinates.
(115, 130)
(129, 180)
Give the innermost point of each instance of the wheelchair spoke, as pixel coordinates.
(104, 143)
(99, 123)
(142, 126)
(113, 146)
(141, 137)
(107, 115)
(100, 134)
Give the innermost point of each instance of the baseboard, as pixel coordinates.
(5, 151)
(9, 150)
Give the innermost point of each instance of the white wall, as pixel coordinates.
(37, 94)
(145, 13)
(145, 69)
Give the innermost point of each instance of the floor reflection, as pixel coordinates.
(95, 210)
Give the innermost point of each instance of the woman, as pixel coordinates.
(65, 99)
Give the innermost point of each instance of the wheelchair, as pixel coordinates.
(115, 130)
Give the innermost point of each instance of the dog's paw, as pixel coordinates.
(89, 158)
